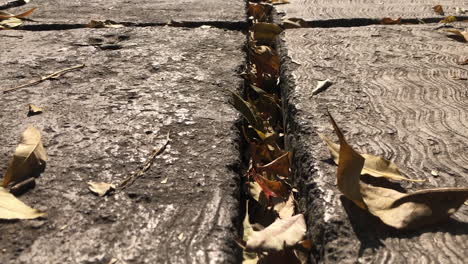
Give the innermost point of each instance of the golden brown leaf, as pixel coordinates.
(259, 11)
(265, 58)
(271, 188)
(266, 32)
(373, 165)
(390, 21)
(461, 35)
(449, 19)
(438, 9)
(29, 158)
(6, 15)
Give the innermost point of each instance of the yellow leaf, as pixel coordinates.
(373, 165)
(448, 19)
(266, 31)
(12, 208)
(29, 159)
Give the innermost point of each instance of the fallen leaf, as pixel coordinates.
(34, 110)
(396, 209)
(278, 2)
(283, 233)
(164, 181)
(6, 15)
(12, 208)
(279, 166)
(254, 190)
(271, 188)
(247, 111)
(390, 21)
(438, 9)
(322, 86)
(266, 31)
(265, 58)
(8, 20)
(100, 188)
(465, 62)
(448, 19)
(248, 257)
(460, 11)
(461, 35)
(350, 165)
(104, 24)
(285, 209)
(373, 165)
(259, 11)
(29, 159)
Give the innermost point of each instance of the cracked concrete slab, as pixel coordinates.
(146, 11)
(398, 92)
(311, 10)
(101, 123)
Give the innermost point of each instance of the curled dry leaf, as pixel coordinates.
(285, 209)
(283, 233)
(259, 11)
(100, 188)
(390, 21)
(29, 159)
(373, 165)
(271, 188)
(322, 86)
(12, 208)
(8, 20)
(396, 209)
(449, 19)
(34, 110)
(247, 111)
(438, 10)
(266, 31)
(265, 58)
(460, 35)
(279, 166)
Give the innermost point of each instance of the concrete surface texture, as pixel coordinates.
(311, 10)
(397, 92)
(142, 11)
(101, 123)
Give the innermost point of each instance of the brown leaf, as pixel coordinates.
(279, 166)
(248, 111)
(266, 32)
(259, 11)
(12, 208)
(460, 35)
(396, 209)
(6, 15)
(271, 188)
(34, 110)
(438, 9)
(265, 58)
(283, 233)
(390, 21)
(29, 159)
(373, 165)
(350, 165)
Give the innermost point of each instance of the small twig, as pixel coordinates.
(149, 162)
(8, 36)
(43, 78)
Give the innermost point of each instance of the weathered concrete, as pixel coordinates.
(143, 11)
(311, 10)
(101, 123)
(398, 92)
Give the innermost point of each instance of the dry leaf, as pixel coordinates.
(100, 188)
(278, 2)
(6, 15)
(279, 166)
(164, 181)
(396, 209)
(8, 20)
(465, 62)
(373, 165)
(248, 257)
(461, 35)
(271, 188)
(448, 19)
(285, 209)
(322, 86)
(390, 21)
(247, 111)
(29, 159)
(104, 24)
(438, 9)
(283, 233)
(266, 31)
(259, 11)
(12, 208)
(34, 110)
(350, 165)
(293, 22)
(460, 11)
(265, 58)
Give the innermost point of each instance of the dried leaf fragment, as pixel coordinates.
(279, 166)
(373, 165)
(390, 21)
(34, 110)
(29, 159)
(293, 22)
(13, 208)
(449, 19)
(461, 35)
(438, 9)
(100, 188)
(283, 233)
(271, 188)
(8, 20)
(247, 111)
(104, 24)
(322, 86)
